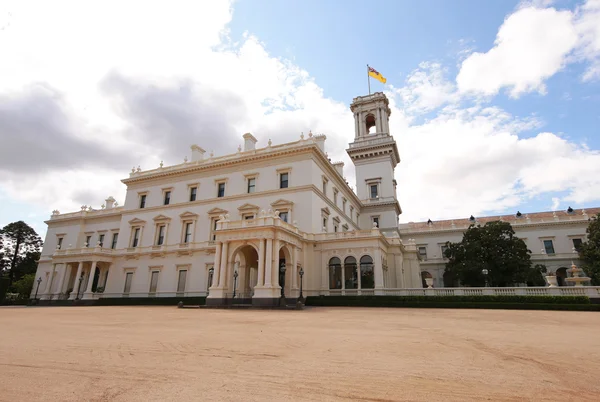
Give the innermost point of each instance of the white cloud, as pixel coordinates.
(588, 26)
(531, 45)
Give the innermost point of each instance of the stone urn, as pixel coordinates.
(429, 282)
(551, 280)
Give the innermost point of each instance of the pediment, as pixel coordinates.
(217, 211)
(325, 211)
(161, 217)
(248, 207)
(136, 221)
(188, 214)
(282, 203)
(336, 219)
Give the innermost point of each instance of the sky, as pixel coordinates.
(495, 105)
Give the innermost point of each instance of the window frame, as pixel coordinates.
(551, 246)
(251, 185)
(161, 234)
(193, 193)
(114, 240)
(142, 200)
(224, 185)
(167, 197)
(136, 232)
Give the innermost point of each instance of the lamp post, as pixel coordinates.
(79, 287)
(485, 274)
(39, 280)
(301, 273)
(235, 276)
(282, 278)
(211, 271)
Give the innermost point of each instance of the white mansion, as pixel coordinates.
(251, 223)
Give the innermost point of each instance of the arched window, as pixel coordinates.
(350, 273)
(425, 275)
(367, 278)
(335, 273)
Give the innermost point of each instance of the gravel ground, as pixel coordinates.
(320, 354)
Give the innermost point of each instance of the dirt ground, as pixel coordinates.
(320, 354)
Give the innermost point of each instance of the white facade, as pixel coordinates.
(249, 213)
(551, 237)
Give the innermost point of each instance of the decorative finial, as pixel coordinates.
(116, 204)
(161, 164)
(139, 169)
(133, 169)
(102, 206)
(270, 142)
(83, 207)
(239, 148)
(310, 134)
(90, 208)
(212, 153)
(185, 159)
(302, 135)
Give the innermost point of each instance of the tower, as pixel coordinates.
(375, 156)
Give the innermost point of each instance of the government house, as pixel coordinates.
(264, 222)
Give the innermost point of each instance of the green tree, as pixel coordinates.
(23, 286)
(19, 239)
(494, 247)
(589, 252)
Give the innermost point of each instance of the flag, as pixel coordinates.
(375, 74)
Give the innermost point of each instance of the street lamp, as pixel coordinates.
(39, 280)
(79, 287)
(301, 273)
(282, 278)
(211, 271)
(235, 276)
(485, 274)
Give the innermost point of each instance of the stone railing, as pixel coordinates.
(344, 235)
(86, 213)
(379, 199)
(134, 250)
(379, 139)
(590, 291)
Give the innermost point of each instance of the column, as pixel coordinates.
(216, 266)
(386, 126)
(48, 289)
(223, 267)
(295, 269)
(343, 268)
(76, 283)
(268, 262)
(378, 270)
(358, 274)
(260, 282)
(275, 266)
(91, 277)
(356, 126)
(61, 283)
(379, 125)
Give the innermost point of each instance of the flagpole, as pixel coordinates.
(369, 79)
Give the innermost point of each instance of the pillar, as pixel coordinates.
(76, 283)
(216, 266)
(378, 269)
(223, 266)
(275, 266)
(61, 283)
(48, 289)
(268, 263)
(356, 126)
(295, 268)
(379, 125)
(343, 268)
(260, 282)
(91, 278)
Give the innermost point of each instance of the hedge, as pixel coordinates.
(147, 301)
(581, 303)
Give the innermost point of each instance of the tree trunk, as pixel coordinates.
(13, 263)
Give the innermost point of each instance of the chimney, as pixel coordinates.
(197, 153)
(320, 141)
(339, 166)
(110, 201)
(249, 142)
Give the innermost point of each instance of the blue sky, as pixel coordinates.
(495, 104)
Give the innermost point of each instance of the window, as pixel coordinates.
(344, 227)
(248, 216)
(549, 246)
(221, 190)
(213, 227)
(143, 201)
(325, 224)
(423, 252)
(367, 276)
(193, 192)
(374, 191)
(181, 281)
(335, 196)
(251, 185)
(60, 240)
(114, 240)
(88, 239)
(101, 240)
(128, 278)
(350, 273)
(284, 216)
(335, 227)
(577, 244)
(335, 273)
(351, 212)
(136, 237)
(324, 187)
(160, 239)
(444, 248)
(187, 236)
(375, 220)
(154, 282)
(344, 205)
(283, 180)
(167, 198)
